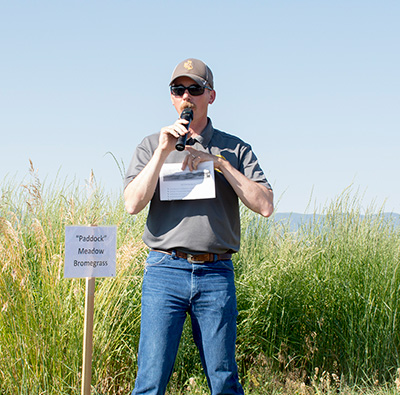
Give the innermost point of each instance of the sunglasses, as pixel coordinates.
(194, 90)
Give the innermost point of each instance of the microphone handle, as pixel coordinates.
(180, 144)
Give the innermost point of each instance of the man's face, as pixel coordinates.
(199, 104)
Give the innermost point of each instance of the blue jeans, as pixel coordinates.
(172, 288)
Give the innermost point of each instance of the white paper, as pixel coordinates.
(178, 184)
(90, 251)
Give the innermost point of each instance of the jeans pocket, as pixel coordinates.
(156, 258)
(226, 264)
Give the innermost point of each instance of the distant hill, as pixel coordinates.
(296, 220)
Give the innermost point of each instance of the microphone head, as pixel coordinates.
(187, 114)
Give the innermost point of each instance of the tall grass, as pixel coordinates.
(323, 299)
(318, 308)
(42, 313)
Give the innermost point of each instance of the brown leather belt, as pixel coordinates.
(198, 258)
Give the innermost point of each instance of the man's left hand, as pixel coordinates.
(195, 157)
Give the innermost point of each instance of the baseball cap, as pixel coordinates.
(196, 70)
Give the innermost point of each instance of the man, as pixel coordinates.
(189, 268)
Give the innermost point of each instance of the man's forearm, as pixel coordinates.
(254, 195)
(140, 190)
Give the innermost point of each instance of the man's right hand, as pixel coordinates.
(170, 134)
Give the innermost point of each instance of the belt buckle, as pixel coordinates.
(190, 259)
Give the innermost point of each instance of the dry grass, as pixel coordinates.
(318, 309)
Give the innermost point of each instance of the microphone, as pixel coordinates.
(187, 114)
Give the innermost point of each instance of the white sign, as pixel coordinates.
(178, 184)
(90, 251)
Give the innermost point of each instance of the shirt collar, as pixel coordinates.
(205, 136)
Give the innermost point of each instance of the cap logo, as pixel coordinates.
(188, 65)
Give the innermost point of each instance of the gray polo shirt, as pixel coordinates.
(204, 225)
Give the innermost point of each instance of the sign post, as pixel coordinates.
(88, 337)
(90, 252)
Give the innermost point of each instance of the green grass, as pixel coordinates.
(318, 308)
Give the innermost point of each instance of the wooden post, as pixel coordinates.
(88, 337)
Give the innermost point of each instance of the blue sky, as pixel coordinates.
(313, 86)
